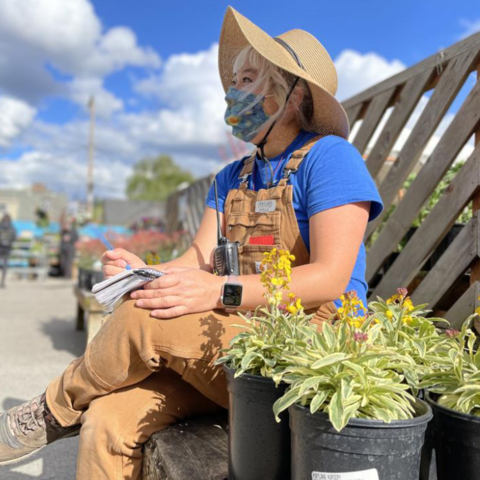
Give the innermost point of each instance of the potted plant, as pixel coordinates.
(351, 403)
(89, 266)
(454, 394)
(259, 447)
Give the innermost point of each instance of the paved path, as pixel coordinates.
(37, 341)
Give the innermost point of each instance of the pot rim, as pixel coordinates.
(367, 423)
(247, 376)
(449, 411)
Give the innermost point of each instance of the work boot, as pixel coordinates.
(27, 428)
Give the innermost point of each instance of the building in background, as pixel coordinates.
(24, 205)
(129, 212)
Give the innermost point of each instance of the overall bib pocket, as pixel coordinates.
(245, 228)
(242, 226)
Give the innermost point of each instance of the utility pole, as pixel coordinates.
(91, 153)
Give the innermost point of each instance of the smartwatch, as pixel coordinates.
(232, 292)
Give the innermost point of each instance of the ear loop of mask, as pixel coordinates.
(261, 145)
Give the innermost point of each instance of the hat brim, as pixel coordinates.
(238, 32)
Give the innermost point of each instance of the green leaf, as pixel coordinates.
(331, 359)
(291, 396)
(336, 411)
(318, 400)
(309, 383)
(328, 335)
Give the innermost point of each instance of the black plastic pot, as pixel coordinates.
(457, 443)
(258, 446)
(83, 278)
(88, 278)
(372, 449)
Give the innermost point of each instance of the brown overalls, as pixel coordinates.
(141, 374)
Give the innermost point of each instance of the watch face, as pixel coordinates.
(232, 295)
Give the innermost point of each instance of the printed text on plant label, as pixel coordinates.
(371, 474)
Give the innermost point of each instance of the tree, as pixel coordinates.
(155, 179)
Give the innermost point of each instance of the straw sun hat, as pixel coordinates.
(295, 51)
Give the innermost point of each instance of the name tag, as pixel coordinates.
(265, 206)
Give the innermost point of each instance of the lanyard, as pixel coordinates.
(274, 173)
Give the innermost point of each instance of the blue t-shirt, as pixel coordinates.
(332, 174)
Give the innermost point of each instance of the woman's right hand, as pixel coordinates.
(115, 261)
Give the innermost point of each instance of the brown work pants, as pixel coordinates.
(137, 376)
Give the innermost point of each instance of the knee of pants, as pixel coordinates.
(127, 334)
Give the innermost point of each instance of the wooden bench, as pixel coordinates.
(196, 449)
(89, 311)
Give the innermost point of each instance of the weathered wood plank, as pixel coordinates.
(373, 115)
(409, 97)
(435, 226)
(196, 449)
(353, 113)
(453, 263)
(475, 272)
(464, 307)
(470, 43)
(447, 89)
(453, 140)
(93, 312)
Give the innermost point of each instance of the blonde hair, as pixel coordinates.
(273, 79)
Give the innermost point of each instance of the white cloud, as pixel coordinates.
(15, 116)
(106, 103)
(357, 71)
(469, 27)
(66, 36)
(189, 87)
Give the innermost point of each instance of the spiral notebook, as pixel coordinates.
(111, 290)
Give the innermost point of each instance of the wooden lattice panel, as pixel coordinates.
(444, 74)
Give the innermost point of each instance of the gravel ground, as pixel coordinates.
(37, 341)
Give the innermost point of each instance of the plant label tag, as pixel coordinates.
(371, 474)
(265, 206)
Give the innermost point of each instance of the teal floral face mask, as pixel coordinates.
(246, 120)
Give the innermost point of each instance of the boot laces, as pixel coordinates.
(31, 416)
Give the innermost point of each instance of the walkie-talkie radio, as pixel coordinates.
(225, 255)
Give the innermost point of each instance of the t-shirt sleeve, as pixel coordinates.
(225, 179)
(338, 175)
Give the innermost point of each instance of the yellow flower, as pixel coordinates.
(389, 314)
(292, 309)
(408, 303)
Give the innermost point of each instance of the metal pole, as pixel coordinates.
(91, 153)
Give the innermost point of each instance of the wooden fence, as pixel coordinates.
(185, 209)
(452, 284)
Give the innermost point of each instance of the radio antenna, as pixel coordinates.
(219, 231)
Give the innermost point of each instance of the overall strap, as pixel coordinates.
(246, 171)
(296, 158)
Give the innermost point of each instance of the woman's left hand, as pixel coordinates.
(180, 291)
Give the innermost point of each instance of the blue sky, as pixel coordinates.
(151, 65)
